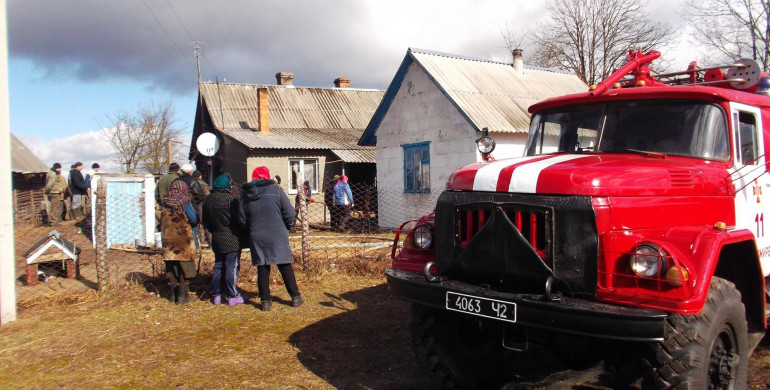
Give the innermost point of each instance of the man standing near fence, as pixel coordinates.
(78, 190)
(55, 187)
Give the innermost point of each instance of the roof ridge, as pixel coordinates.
(478, 59)
(291, 86)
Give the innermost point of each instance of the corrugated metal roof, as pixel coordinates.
(298, 138)
(494, 94)
(23, 160)
(367, 155)
(300, 118)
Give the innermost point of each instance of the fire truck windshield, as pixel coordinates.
(671, 127)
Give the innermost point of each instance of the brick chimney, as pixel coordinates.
(342, 82)
(284, 78)
(518, 59)
(262, 110)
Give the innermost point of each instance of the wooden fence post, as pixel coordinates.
(303, 220)
(101, 236)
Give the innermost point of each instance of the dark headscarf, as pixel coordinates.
(177, 195)
(222, 181)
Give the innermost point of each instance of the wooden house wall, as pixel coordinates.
(28, 196)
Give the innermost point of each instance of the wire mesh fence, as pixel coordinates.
(118, 241)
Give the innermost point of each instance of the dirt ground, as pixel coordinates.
(351, 334)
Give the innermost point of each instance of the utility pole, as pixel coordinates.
(168, 151)
(197, 52)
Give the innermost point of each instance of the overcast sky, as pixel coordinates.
(73, 63)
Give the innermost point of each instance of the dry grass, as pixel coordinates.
(349, 334)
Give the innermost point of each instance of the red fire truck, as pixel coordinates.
(635, 218)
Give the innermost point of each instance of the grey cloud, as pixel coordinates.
(245, 41)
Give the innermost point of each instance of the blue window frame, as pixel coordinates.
(417, 167)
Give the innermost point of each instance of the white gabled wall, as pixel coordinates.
(420, 112)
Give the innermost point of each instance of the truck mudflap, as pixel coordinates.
(566, 315)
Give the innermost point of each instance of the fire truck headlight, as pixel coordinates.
(423, 237)
(648, 259)
(485, 144)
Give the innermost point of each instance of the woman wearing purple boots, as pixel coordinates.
(220, 217)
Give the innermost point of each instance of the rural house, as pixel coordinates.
(434, 110)
(314, 131)
(28, 181)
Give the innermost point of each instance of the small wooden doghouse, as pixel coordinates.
(36, 254)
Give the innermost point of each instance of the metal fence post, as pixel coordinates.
(101, 236)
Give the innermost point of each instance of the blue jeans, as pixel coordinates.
(226, 269)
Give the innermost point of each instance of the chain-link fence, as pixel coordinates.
(118, 240)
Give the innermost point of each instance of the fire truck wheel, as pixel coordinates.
(708, 350)
(458, 351)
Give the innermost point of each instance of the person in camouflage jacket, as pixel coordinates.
(55, 190)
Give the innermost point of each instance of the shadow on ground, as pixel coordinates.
(368, 347)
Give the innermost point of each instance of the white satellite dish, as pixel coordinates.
(207, 144)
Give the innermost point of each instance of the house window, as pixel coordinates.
(417, 167)
(308, 170)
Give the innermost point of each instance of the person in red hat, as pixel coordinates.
(267, 213)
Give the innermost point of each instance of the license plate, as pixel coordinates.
(480, 306)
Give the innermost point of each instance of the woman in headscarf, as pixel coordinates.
(220, 218)
(268, 214)
(177, 219)
(343, 201)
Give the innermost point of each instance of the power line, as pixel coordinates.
(179, 20)
(189, 36)
(166, 32)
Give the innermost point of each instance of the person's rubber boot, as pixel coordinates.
(183, 296)
(232, 301)
(266, 305)
(217, 300)
(172, 292)
(297, 301)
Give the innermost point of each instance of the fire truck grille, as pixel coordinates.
(533, 224)
(517, 240)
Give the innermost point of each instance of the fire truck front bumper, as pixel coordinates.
(565, 315)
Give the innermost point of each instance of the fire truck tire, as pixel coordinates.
(458, 351)
(708, 350)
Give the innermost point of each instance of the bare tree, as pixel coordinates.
(126, 139)
(514, 40)
(140, 138)
(592, 37)
(731, 29)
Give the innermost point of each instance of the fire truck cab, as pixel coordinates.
(636, 215)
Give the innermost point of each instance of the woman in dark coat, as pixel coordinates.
(267, 213)
(220, 218)
(177, 220)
